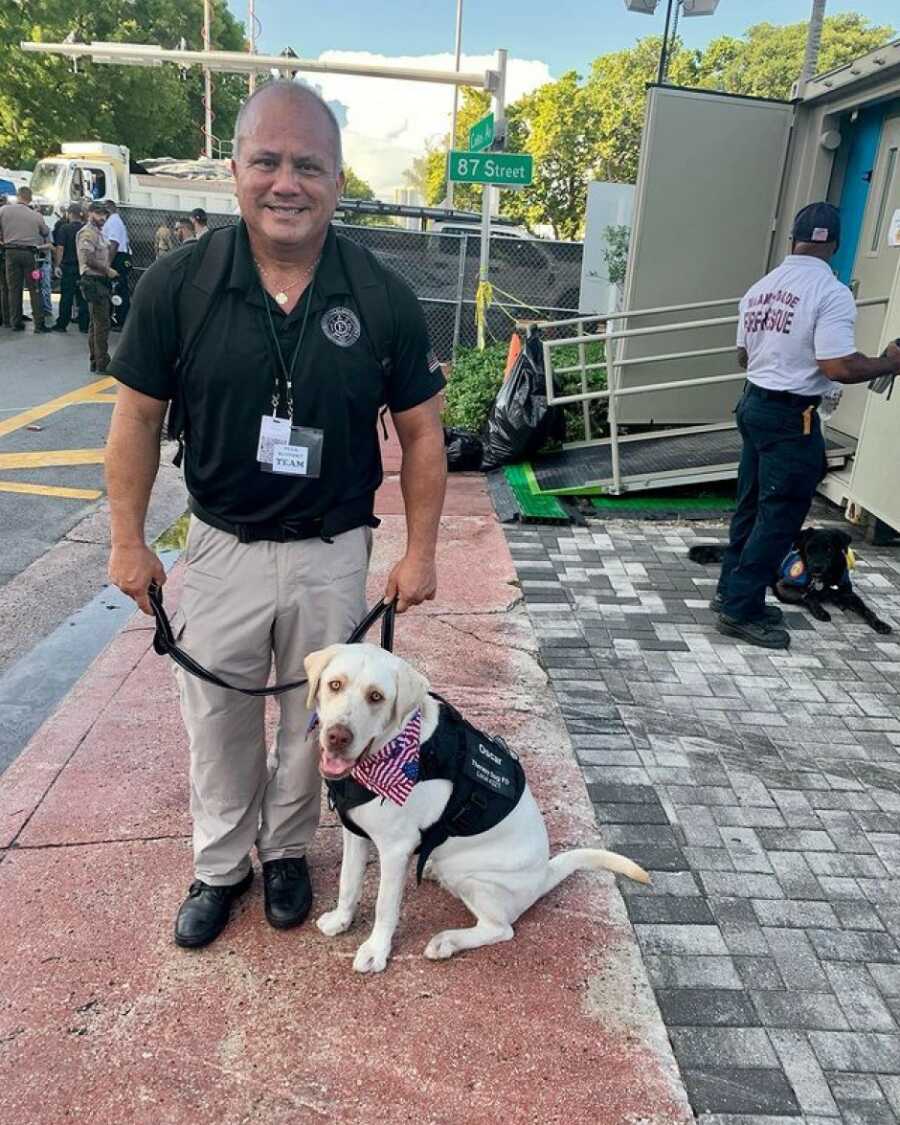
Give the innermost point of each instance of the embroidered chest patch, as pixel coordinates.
(341, 326)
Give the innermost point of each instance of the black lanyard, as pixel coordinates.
(287, 372)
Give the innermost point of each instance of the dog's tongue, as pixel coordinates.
(333, 765)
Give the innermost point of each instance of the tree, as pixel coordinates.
(617, 91)
(155, 111)
(767, 60)
(556, 124)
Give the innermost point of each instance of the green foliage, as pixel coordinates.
(615, 253)
(153, 110)
(473, 385)
(767, 60)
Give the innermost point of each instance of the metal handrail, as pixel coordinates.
(613, 392)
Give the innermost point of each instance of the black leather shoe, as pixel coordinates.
(772, 615)
(204, 913)
(288, 892)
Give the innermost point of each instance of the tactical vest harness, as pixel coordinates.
(487, 780)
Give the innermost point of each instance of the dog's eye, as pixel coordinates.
(375, 697)
(334, 685)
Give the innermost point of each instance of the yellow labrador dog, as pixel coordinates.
(365, 699)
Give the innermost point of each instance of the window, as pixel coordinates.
(885, 197)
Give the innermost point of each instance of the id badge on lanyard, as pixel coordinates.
(289, 450)
(283, 448)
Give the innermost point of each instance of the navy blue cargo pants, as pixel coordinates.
(779, 470)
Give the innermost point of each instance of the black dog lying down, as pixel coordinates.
(816, 570)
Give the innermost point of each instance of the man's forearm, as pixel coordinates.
(860, 368)
(132, 462)
(423, 480)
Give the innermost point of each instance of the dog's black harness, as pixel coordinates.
(488, 781)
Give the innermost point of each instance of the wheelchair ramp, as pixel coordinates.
(662, 460)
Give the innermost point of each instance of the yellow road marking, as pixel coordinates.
(51, 459)
(101, 398)
(83, 394)
(51, 490)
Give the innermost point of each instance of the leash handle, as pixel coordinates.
(165, 644)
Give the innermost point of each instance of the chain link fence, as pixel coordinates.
(533, 279)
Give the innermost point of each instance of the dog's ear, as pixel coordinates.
(845, 539)
(802, 537)
(315, 665)
(412, 688)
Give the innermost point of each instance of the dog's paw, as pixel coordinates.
(442, 946)
(334, 922)
(882, 627)
(371, 957)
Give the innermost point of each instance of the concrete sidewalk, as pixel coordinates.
(105, 1019)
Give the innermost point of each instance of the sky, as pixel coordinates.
(388, 123)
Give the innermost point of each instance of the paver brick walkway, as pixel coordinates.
(763, 792)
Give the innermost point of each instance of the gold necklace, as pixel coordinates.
(281, 297)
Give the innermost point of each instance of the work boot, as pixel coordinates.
(772, 615)
(754, 632)
(288, 892)
(204, 913)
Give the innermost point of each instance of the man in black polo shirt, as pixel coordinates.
(280, 391)
(65, 261)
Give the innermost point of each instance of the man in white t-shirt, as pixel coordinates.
(796, 341)
(116, 234)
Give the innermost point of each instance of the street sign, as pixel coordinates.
(481, 134)
(505, 169)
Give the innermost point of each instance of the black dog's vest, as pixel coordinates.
(487, 783)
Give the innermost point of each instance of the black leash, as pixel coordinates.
(165, 644)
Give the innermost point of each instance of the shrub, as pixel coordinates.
(473, 385)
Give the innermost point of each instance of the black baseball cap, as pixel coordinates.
(98, 207)
(817, 222)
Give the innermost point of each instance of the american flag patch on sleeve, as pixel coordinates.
(434, 364)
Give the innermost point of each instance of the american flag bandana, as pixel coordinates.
(394, 770)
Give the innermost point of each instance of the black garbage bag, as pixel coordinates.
(463, 450)
(521, 422)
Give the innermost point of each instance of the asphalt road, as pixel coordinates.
(54, 417)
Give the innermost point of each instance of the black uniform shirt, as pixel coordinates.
(64, 235)
(229, 383)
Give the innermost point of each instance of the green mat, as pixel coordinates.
(536, 504)
(533, 505)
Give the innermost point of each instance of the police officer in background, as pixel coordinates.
(23, 233)
(796, 342)
(65, 259)
(96, 276)
(200, 222)
(116, 234)
(280, 393)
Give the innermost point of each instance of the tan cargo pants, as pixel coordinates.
(243, 606)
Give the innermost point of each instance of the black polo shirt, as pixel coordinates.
(229, 382)
(64, 234)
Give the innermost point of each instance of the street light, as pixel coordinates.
(687, 8)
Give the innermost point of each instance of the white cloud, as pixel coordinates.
(389, 122)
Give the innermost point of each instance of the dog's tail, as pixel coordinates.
(706, 553)
(590, 859)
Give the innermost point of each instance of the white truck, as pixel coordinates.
(85, 170)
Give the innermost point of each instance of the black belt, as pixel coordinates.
(165, 644)
(800, 401)
(257, 532)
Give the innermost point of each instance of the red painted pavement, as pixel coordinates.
(104, 1019)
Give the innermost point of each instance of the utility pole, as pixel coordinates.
(207, 84)
(813, 41)
(459, 14)
(251, 20)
